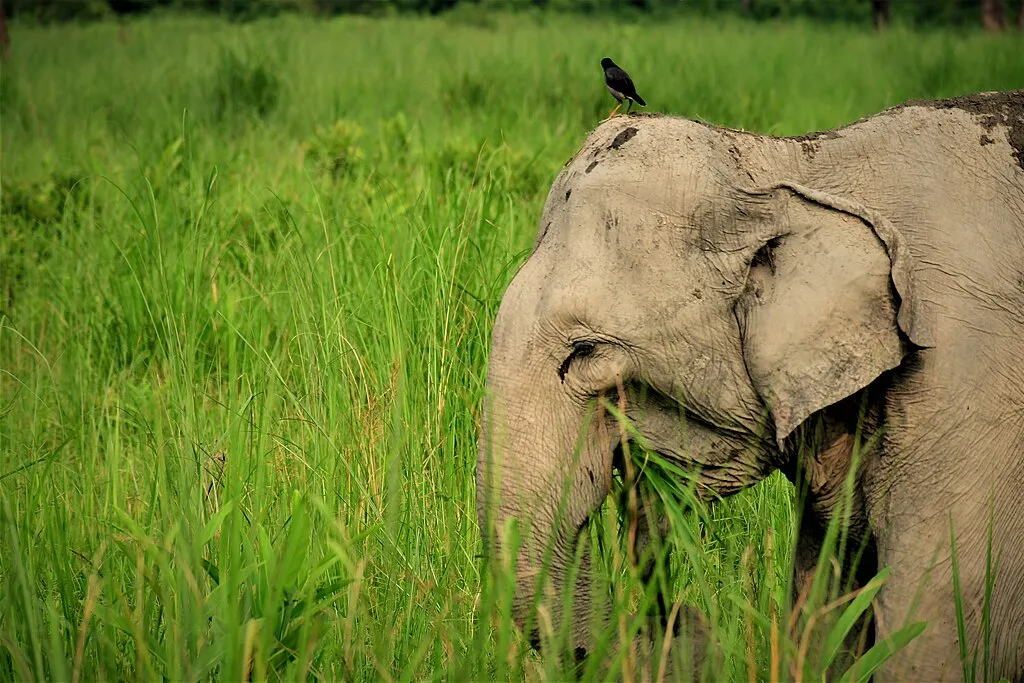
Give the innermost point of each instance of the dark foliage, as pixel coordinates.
(879, 12)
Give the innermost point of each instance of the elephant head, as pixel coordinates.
(729, 292)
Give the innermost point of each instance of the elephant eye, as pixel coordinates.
(580, 349)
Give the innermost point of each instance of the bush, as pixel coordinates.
(334, 149)
(59, 10)
(243, 85)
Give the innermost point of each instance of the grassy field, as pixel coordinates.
(247, 278)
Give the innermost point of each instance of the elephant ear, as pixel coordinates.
(829, 303)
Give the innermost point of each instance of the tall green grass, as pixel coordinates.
(247, 278)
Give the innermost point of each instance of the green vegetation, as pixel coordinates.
(247, 278)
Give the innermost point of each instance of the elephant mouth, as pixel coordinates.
(689, 483)
(619, 458)
(580, 654)
(628, 471)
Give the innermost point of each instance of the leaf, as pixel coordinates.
(214, 523)
(966, 661)
(211, 570)
(295, 549)
(868, 663)
(834, 642)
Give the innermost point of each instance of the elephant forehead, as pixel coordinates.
(614, 236)
(624, 287)
(627, 215)
(654, 178)
(616, 240)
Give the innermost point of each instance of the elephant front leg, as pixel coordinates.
(839, 572)
(830, 566)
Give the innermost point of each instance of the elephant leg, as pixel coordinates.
(840, 572)
(829, 493)
(938, 480)
(917, 546)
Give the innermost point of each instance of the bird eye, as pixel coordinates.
(580, 349)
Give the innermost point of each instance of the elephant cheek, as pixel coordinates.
(723, 465)
(725, 481)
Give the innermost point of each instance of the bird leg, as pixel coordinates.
(613, 111)
(629, 107)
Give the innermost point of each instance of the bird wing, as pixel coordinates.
(619, 80)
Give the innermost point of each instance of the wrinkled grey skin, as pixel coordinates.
(746, 287)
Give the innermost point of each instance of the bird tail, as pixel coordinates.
(639, 100)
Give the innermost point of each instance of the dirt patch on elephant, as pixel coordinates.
(622, 138)
(817, 136)
(990, 109)
(592, 166)
(809, 148)
(610, 221)
(736, 154)
(540, 237)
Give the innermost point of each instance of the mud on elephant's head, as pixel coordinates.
(694, 268)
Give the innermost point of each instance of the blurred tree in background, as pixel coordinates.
(993, 15)
(880, 13)
(5, 38)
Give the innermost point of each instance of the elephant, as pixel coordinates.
(744, 294)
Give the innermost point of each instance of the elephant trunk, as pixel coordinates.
(527, 473)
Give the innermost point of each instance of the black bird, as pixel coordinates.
(620, 85)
